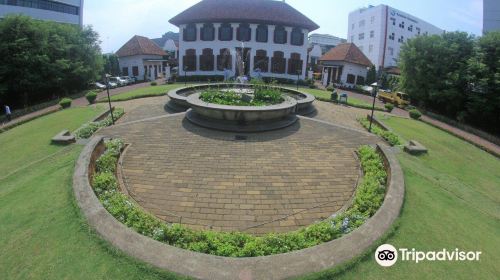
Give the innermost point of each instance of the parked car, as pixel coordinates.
(100, 86)
(112, 84)
(128, 79)
(119, 81)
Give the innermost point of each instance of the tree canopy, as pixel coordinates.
(40, 60)
(455, 75)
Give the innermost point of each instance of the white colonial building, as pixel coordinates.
(238, 37)
(141, 58)
(63, 11)
(380, 31)
(345, 64)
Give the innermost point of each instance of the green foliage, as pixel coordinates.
(262, 96)
(111, 65)
(330, 88)
(389, 136)
(415, 114)
(91, 96)
(88, 129)
(153, 84)
(368, 198)
(389, 107)
(65, 103)
(106, 163)
(43, 59)
(455, 75)
(371, 76)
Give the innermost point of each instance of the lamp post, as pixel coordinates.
(374, 94)
(298, 78)
(185, 75)
(109, 99)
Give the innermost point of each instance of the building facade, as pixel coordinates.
(261, 38)
(345, 64)
(491, 15)
(141, 58)
(63, 11)
(380, 31)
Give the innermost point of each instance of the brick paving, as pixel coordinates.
(272, 182)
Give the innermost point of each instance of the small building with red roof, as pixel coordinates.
(141, 58)
(345, 64)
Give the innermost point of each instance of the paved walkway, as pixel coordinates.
(272, 182)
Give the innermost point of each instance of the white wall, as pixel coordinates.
(136, 60)
(377, 19)
(347, 68)
(217, 45)
(45, 14)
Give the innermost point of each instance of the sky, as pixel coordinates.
(118, 20)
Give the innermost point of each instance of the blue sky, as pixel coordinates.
(119, 20)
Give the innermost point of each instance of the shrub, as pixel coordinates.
(153, 84)
(329, 88)
(87, 130)
(106, 163)
(368, 198)
(272, 96)
(389, 107)
(91, 97)
(415, 114)
(388, 136)
(65, 103)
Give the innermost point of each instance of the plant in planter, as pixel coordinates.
(65, 103)
(415, 114)
(91, 97)
(153, 84)
(389, 107)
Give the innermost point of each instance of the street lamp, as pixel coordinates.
(374, 94)
(185, 75)
(109, 99)
(298, 77)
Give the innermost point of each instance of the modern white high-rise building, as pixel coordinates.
(63, 11)
(379, 31)
(491, 15)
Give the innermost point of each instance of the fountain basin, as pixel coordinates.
(241, 118)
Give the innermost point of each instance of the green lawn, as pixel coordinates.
(352, 101)
(149, 91)
(452, 201)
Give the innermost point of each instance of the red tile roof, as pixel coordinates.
(139, 45)
(347, 52)
(251, 11)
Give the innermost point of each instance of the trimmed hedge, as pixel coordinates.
(389, 107)
(91, 96)
(415, 114)
(88, 129)
(368, 198)
(65, 103)
(388, 136)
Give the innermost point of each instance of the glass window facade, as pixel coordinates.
(44, 5)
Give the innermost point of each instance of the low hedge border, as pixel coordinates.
(87, 130)
(389, 136)
(367, 199)
(352, 105)
(328, 255)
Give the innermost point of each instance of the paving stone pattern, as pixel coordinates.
(271, 182)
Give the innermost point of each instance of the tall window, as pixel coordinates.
(244, 33)
(124, 70)
(372, 20)
(262, 34)
(208, 32)
(207, 60)
(410, 28)
(402, 25)
(390, 50)
(225, 32)
(189, 33)
(401, 39)
(391, 36)
(135, 71)
(393, 20)
(297, 37)
(278, 63)
(261, 61)
(361, 36)
(351, 79)
(372, 34)
(224, 60)
(370, 48)
(190, 60)
(294, 64)
(280, 35)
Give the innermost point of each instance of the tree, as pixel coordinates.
(111, 65)
(371, 76)
(41, 60)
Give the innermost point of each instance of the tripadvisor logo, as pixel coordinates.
(387, 255)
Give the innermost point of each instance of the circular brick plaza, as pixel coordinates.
(275, 181)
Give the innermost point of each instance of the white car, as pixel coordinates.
(128, 79)
(100, 86)
(119, 81)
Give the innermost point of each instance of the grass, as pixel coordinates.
(31, 141)
(324, 95)
(42, 234)
(452, 201)
(149, 91)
